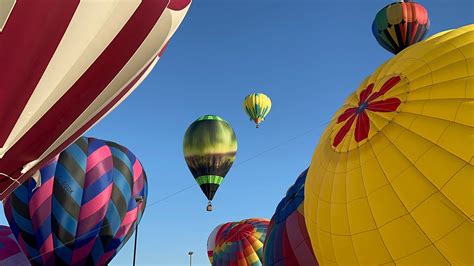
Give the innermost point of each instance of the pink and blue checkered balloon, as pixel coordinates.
(85, 209)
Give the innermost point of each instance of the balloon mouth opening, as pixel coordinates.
(257, 121)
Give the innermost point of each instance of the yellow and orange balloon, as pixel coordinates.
(392, 178)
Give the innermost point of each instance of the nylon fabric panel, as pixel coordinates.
(402, 194)
(15, 160)
(400, 25)
(287, 241)
(240, 243)
(28, 21)
(85, 207)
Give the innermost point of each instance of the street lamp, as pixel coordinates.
(139, 201)
(190, 253)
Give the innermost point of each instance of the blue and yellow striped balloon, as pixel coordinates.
(257, 106)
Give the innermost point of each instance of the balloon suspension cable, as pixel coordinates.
(209, 206)
(139, 201)
(11, 178)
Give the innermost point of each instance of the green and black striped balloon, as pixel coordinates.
(209, 147)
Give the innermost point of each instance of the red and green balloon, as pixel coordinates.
(400, 24)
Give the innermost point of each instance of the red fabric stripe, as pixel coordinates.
(343, 131)
(5, 182)
(287, 249)
(362, 127)
(389, 105)
(178, 4)
(162, 51)
(388, 85)
(365, 93)
(347, 113)
(27, 43)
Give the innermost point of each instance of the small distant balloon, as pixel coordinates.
(400, 24)
(257, 106)
(209, 148)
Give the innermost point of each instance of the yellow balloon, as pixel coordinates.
(392, 178)
(257, 106)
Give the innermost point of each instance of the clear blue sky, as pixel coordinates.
(307, 55)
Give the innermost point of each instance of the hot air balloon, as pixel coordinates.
(257, 106)
(211, 242)
(287, 241)
(85, 209)
(65, 66)
(10, 251)
(400, 24)
(239, 243)
(391, 179)
(209, 147)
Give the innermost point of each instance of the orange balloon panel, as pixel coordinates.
(392, 179)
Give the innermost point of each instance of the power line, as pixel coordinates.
(191, 186)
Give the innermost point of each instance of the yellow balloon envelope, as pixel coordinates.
(392, 178)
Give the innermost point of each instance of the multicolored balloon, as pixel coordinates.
(239, 243)
(85, 209)
(391, 179)
(209, 148)
(64, 66)
(400, 24)
(211, 242)
(10, 251)
(287, 241)
(257, 106)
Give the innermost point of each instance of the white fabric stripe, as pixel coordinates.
(93, 26)
(150, 68)
(6, 7)
(158, 37)
(177, 18)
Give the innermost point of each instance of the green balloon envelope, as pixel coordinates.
(209, 147)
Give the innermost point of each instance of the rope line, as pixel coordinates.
(193, 185)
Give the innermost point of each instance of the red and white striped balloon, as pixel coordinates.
(65, 65)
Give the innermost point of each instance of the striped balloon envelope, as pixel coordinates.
(85, 208)
(287, 242)
(10, 252)
(65, 65)
(239, 243)
(391, 180)
(211, 242)
(400, 25)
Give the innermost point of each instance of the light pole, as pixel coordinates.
(190, 253)
(139, 201)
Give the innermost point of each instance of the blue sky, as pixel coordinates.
(306, 55)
